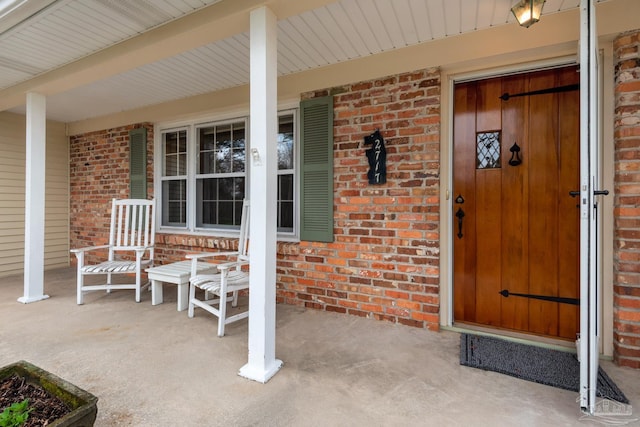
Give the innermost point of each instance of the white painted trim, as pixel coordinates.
(543, 64)
(34, 199)
(606, 213)
(590, 301)
(262, 364)
(446, 203)
(239, 111)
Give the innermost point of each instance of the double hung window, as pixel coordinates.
(221, 174)
(286, 173)
(174, 178)
(205, 175)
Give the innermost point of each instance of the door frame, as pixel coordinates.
(452, 76)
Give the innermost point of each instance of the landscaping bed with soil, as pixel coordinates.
(43, 408)
(52, 401)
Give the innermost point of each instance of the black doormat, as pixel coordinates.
(541, 365)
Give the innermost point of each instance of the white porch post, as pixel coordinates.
(262, 364)
(34, 200)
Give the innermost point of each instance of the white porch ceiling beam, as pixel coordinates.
(34, 200)
(262, 364)
(216, 22)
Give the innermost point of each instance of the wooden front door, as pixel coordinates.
(515, 226)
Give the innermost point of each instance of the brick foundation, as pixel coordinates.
(627, 201)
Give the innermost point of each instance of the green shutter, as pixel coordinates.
(138, 163)
(316, 175)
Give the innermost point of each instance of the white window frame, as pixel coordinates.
(161, 178)
(198, 175)
(192, 127)
(286, 235)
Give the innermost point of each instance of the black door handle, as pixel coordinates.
(595, 193)
(460, 216)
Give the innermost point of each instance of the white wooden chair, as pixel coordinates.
(222, 287)
(132, 234)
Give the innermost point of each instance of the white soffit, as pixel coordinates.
(68, 30)
(50, 34)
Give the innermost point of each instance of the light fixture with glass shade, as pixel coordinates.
(528, 12)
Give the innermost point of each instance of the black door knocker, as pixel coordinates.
(515, 155)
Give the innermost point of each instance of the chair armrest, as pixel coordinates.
(221, 267)
(88, 248)
(209, 255)
(142, 248)
(228, 265)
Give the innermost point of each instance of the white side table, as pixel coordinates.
(177, 273)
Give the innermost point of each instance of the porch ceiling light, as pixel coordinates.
(528, 12)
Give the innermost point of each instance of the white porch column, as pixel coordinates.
(34, 200)
(262, 364)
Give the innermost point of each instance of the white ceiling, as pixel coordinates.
(53, 33)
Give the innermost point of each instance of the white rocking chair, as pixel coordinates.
(132, 233)
(230, 279)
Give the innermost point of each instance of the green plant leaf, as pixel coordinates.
(15, 415)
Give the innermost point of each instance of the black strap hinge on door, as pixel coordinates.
(568, 88)
(573, 301)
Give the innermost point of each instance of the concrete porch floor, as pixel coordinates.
(153, 366)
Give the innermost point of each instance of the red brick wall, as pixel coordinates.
(99, 172)
(384, 261)
(627, 201)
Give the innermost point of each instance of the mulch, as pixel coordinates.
(44, 407)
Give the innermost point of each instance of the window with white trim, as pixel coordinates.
(204, 175)
(286, 172)
(174, 178)
(220, 174)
